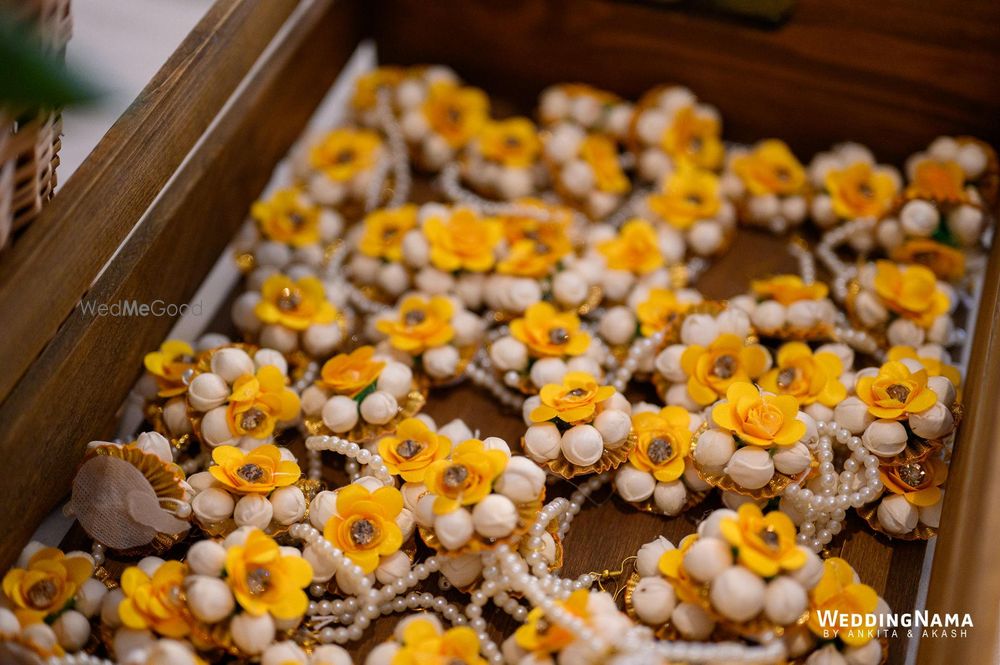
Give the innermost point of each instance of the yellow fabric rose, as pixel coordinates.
(513, 142)
(463, 241)
(635, 249)
(46, 585)
(808, 377)
(265, 580)
(664, 442)
(529, 258)
(764, 543)
(258, 402)
(917, 482)
(423, 643)
(712, 369)
(788, 289)
(466, 477)
(168, 365)
(384, 229)
(350, 373)
(412, 449)
(660, 308)
(934, 366)
(761, 420)
(368, 84)
(601, 154)
(837, 591)
(946, 262)
(895, 392)
(695, 139)
(287, 218)
(938, 181)
(770, 168)
(364, 527)
(296, 305)
(547, 332)
(573, 401)
(910, 291)
(154, 603)
(456, 113)
(859, 190)
(539, 636)
(688, 195)
(256, 472)
(552, 231)
(422, 324)
(344, 153)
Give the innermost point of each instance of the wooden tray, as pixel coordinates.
(149, 212)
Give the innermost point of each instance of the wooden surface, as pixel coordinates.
(72, 386)
(891, 74)
(887, 73)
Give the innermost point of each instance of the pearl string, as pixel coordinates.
(397, 150)
(480, 371)
(807, 263)
(639, 350)
(824, 512)
(627, 209)
(353, 451)
(450, 181)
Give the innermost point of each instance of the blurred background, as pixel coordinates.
(119, 45)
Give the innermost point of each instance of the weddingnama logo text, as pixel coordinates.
(890, 625)
(129, 308)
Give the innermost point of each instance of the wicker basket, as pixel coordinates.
(29, 144)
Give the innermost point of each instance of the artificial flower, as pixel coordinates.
(463, 241)
(761, 420)
(46, 585)
(168, 365)
(263, 579)
(788, 289)
(547, 332)
(294, 304)
(550, 226)
(946, 262)
(636, 248)
(938, 181)
(600, 153)
(688, 195)
(770, 168)
(712, 369)
(369, 84)
(693, 138)
(918, 482)
(529, 258)
(456, 113)
(895, 392)
(660, 309)
(513, 142)
(350, 373)
(663, 442)
(860, 191)
(911, 291)
(259, 401)
(933, 366)
(344, 153)
(424, 643)
(838, 593)
(466, 477)
(412, 449)
(540, 636)
(422, 324)
(258, 471)
(808, 377)
(382, 237)
(287, 218)
(155, 603)
(764, 543)
(574, 400)
(364, 527)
